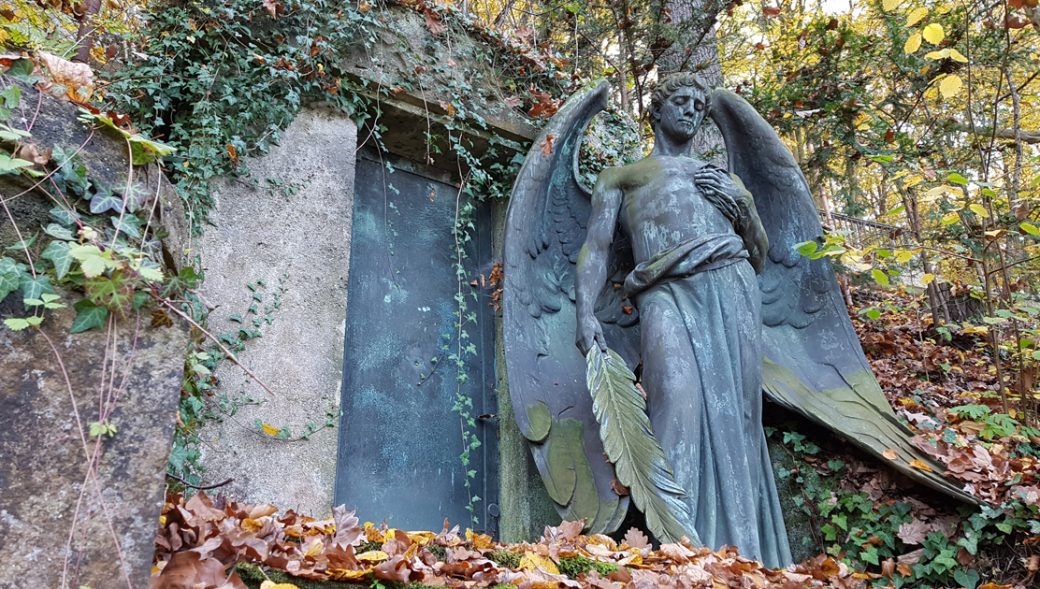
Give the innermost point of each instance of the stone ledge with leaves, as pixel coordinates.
(91, 361)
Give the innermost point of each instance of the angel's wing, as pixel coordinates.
(814, 362)
(545, 229)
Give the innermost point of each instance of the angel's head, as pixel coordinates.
(678, 104)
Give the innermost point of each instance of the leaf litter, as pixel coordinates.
(201, 539)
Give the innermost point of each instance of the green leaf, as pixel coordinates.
(58, 253)
(1030, 228)
(105, 201)
(92, 260)
(630, 445)
(59, 232)
(806, 248)
(869, 555)
(16, 323)
(978, 209)
(879, 277)
(88, 316)
(12, 134)
(955, 178)
(10, 165)
(10, 276)
(64, 216)
(967, 578)
(33, 288)
(21, 245)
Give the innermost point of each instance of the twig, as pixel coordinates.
(231, 356)
(197, 487)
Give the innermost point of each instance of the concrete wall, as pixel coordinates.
(288, 225)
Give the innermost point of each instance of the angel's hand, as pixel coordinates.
(720, 189)
(590, 333)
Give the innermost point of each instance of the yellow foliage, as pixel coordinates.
(914, 16)
(934, 33)
(531, 561)
(913, 43)
(373, 556)
(950, 85)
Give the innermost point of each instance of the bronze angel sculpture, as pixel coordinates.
(659, 263)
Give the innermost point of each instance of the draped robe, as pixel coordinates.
(700, 317)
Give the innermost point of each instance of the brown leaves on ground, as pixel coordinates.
(923, 378)
(201, 539)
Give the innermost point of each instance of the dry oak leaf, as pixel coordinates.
(636, 539)
(77, 78)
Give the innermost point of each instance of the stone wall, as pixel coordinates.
(287, 226)
(75, 509)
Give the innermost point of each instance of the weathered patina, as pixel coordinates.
(672, 246)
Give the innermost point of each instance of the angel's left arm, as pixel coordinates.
(749, 226)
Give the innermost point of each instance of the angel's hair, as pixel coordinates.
(669, 84)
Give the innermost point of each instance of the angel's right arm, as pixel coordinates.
(592, 259)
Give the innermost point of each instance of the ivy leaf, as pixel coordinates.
(88, 316)
(130, 225)
(10, 276)
(21, 245)
(64, 216)
(34, 288)
(105, 200)
(58, 253)
(58, 231)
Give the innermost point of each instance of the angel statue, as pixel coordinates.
(688, 275)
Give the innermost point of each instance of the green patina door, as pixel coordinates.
(402, 438)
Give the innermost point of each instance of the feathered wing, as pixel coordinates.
(814, 362)
(545, 229)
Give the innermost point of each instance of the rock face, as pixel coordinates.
(282, 248)
(77, 510)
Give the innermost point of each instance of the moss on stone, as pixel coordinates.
(505, 558)
(575, 566)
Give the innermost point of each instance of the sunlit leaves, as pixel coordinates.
(913, 43)
(915, 16)
(933, 33)
(949, 53)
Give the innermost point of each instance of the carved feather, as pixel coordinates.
(632, 448)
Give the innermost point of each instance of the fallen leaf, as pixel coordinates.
(547, 145)
(636, 538)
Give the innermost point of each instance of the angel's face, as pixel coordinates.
(681, 114)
